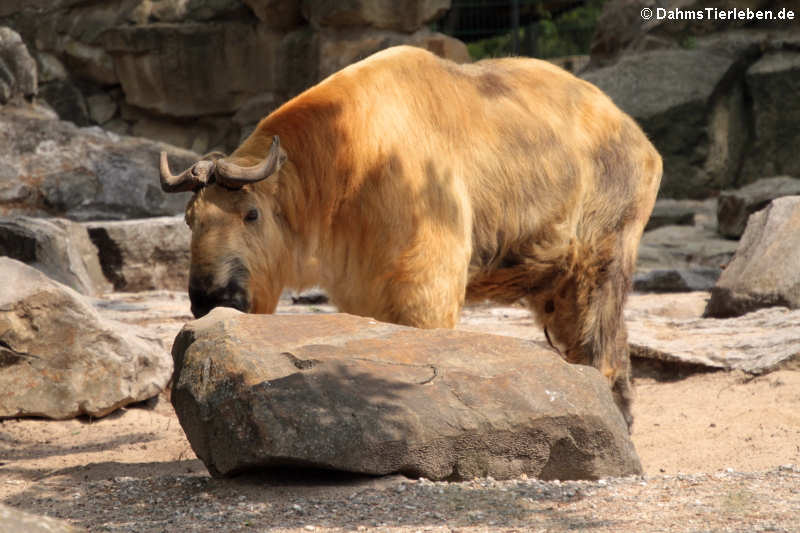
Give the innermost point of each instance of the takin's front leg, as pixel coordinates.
(424, 287)
(583, 316)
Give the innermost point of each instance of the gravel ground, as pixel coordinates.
(724, 501)
(134, 471)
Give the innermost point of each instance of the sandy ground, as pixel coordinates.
(707, 422)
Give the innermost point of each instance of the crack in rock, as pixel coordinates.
(9, 356)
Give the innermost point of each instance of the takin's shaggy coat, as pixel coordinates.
(406, 184)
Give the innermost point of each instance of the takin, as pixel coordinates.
(405, 185)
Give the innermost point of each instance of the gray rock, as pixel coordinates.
(102, 107)
(60, 359)
(17, 68)
(683, 248)
(735, 207)
(252, 111)
(676, 280)
(669, 212)
(348, 393)
(143, 254)
(382, 14)
(277, 13)
(183, 10)
(764, 272)
(719, 106)
(773, 84)
(50, 68)
(757, 342)
(59, 248)
(675, 95)
(14, 520)
(52, 167)
(66, 100)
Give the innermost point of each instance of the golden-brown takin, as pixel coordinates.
(406, 184)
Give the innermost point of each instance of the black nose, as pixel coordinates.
(203, 300)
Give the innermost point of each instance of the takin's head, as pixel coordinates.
(239, 236)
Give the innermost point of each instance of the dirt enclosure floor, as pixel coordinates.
(720, 450)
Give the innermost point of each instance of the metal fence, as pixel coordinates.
(521, 27)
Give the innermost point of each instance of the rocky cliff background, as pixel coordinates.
(200, 74)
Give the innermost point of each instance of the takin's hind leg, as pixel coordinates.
(583, 316)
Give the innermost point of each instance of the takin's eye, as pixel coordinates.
(251, 215)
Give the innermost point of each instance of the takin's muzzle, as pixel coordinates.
(204, 296)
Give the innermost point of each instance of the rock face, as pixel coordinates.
(406, 16)
(59, 248)
(735, 207)
(673, 94)
(343, 392)
(338, 48)
(764, 272)
(143, 254)
(17, 68)
(776, 128)
(53, 167)
(621, 29)
(59, 358)
(716, 97)
(220, 65)
(178, 70)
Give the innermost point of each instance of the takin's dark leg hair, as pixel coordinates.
(584, 315)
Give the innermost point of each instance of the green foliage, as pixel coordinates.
(569, 33)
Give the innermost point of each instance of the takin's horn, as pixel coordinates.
(234, 176)
(190, 179)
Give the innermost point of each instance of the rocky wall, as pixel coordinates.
(200, 74)
(718, 98)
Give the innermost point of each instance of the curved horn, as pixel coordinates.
(190, 179)
(234, 176)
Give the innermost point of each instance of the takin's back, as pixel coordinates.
(527, 138)
(509, 150)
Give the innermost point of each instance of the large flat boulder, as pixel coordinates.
(52, 167)
(758, 342)
(763, 272)
(60, 359)
(58, 247)
(143, 254)
(341, 392)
